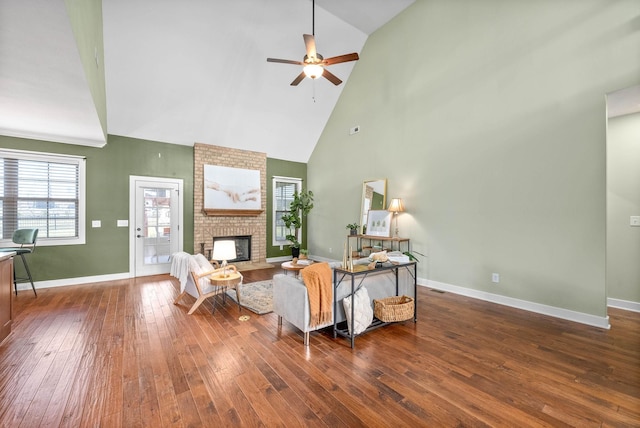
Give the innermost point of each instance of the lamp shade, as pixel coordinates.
(224, 250)
(396, 206)
(313, 71)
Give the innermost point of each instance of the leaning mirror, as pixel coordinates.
(374, 197)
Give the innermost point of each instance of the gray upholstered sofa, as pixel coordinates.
(291, 302)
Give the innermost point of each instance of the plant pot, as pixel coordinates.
(295, 252)
(353, 231)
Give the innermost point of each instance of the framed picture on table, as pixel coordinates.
(379, 223)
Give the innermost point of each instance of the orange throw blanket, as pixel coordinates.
(317, 278)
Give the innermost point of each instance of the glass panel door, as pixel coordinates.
(157, 225)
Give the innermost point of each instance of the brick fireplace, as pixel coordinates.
(207, 227)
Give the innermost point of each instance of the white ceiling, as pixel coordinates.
(43, 90)
(182, 72)
(189, 71)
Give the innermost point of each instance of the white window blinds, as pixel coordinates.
(43, 191)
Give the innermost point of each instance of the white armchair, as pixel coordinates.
(193, 273)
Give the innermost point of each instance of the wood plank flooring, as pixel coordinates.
(121, 354)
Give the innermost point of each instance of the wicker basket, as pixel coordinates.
(394, 308)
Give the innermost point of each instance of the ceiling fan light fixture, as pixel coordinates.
(313, 71)
(313, 64)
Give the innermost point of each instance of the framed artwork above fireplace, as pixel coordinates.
(232, 191)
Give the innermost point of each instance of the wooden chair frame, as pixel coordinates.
(203, 296)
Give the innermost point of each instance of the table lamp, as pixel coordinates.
(224, 250)
(396, 206)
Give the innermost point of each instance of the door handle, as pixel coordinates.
(138, 236)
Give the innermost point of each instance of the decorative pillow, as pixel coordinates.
(362, 311)
(203, 263)
(199, 264)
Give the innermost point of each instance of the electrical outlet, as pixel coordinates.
(495, 277)
(330, 250)
(634, 220)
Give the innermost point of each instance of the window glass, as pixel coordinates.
(283, 190)
(43, 191)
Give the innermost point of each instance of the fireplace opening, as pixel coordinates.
(243, 247)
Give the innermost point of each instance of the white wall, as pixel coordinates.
(488, 119)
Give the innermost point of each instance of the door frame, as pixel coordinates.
(133, 179)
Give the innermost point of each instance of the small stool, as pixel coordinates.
(27, 240)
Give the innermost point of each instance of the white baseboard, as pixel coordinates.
(278, 259)
(323, 259)
(566, 314)
(311, 256)
(74, 281)
(627, 305)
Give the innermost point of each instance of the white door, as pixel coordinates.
(156, 218)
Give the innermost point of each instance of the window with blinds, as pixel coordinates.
(44, 192)
(283, 190)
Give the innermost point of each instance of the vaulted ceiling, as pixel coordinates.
(181, 72)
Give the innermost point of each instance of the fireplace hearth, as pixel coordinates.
(243, 247)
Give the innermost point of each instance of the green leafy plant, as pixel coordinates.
(304, 251)
(299, 208)
(411, 256)
(353, 226)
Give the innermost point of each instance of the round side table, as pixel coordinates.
(232, 279)
(291, 267)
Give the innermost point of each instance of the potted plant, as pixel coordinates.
(300, 206)
(353, 228)
(304, 254)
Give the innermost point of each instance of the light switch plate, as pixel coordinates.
(96, 223)
(123, 223)
(634, 220)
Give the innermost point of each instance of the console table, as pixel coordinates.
(380, 243)
(340, 275)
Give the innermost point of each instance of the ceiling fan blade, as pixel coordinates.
(298, 79)
(341, 58)
(310, 43)
(331, 77)
(284, 61)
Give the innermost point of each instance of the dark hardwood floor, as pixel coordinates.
(122, 354)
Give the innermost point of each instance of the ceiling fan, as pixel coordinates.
(314, 65)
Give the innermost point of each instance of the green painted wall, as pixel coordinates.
(623, 201)
(86, 20)
(488, 119)
(108, 171)
(282, 168)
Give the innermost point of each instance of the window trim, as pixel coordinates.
(274, 181)
(82, 199)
